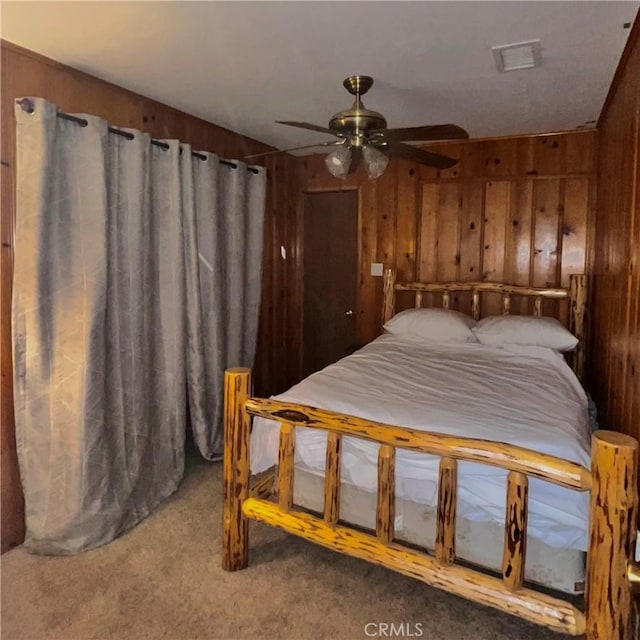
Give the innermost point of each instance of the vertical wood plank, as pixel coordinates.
(368, 324)
(386, 214)
(407, 220)
(548, 204)
(428, 233)
(574, 228)
(515, 530)
(386, 500)
(447, 498)
(471, 230)
(448, 232)
(525, 165)
(497, 196)
(292, 299)
(456, 151)
(580, 151)
(496, 210)
(499, 158)
(428, 241)
(473, 162)
(518, 248)
(332, 478)
(298, 275)
(273, 258)
(548, 154)
(518, 242)
(265, 355)
(279, 267)
(286, 454)
(546, 198)
(573, 233)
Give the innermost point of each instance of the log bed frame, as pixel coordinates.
(612, 576)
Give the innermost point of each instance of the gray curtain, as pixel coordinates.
(224, 206)
(103, 317)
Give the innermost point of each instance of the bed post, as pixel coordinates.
(578, 302)
(235, 527)
(612, 533)
(389, 289)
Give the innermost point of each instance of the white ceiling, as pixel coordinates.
(245, 64)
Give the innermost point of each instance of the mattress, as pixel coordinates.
(478, 543)
(527, 396)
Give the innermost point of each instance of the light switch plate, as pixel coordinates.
(377, 268)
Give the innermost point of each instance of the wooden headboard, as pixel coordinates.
(576, 294)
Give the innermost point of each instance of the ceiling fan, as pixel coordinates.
(363, 136)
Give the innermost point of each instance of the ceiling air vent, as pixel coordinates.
(519, 55)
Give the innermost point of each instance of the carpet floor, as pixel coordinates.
(163, 580)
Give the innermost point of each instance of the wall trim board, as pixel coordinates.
(327, 189)
(513, 136)
(512, 177)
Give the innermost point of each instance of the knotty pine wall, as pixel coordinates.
(615, 343)
(25, 73)
(516, 210)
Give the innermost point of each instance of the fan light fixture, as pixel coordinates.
(339, 162)
(375, 161)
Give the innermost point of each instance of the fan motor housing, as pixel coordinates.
(357, 122)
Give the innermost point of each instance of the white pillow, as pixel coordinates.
(525, 330)
(435, 325)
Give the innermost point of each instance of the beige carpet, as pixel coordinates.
(163, 580)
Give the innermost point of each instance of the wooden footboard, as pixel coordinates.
(612, 483)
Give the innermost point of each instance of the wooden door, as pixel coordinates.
(330, 263)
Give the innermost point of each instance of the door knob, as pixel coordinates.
(348, 313)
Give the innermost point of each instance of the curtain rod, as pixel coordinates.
(28, 106)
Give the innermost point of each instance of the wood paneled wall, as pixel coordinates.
(514, 210)
(615, 344)
(27, 74)
(279, 352)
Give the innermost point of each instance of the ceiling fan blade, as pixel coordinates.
(331, 143)
(311, 127)
(419, 155)
(431, 132)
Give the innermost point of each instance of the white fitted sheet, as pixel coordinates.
(526, 396)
